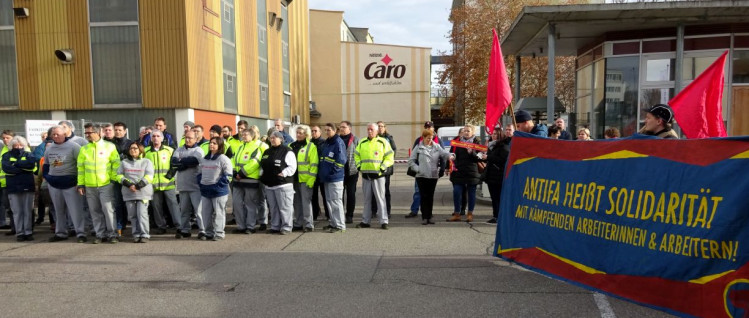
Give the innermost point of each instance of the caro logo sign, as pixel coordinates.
(376, 70)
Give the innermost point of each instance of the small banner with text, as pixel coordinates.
(663, 223)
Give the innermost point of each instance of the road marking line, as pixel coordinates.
(604, 306)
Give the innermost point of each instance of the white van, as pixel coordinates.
(447, 134)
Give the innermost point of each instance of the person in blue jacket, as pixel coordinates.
(19, 167)
(330, 173)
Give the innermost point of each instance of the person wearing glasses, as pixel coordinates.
(136, 174)
(97, 166)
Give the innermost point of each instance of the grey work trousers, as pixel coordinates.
(262, 207)
(280, 205)
(170, 196)
(190, 202)
(376, 187)
(246, 201)
(334, 201)
(102, 210)
(137, 212)
(303, 206)
(68, 210)
(214, 215)
(22, 204)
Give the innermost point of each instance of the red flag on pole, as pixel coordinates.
(498, 94)
(698, 107)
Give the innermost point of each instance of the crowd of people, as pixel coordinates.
(97, 185)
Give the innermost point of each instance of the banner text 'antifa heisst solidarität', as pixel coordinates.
(664, 223)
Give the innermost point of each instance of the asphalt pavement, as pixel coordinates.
(410, 270)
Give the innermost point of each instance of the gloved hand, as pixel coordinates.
(141, 184)
(126, 183)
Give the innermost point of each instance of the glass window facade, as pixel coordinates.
(285, 63)
(115, 52)
(229, 52)
(741, 67)
(262, 48)
(8, 70)
(622, 83)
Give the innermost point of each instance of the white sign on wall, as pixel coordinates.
(35, 128)
(385, 69)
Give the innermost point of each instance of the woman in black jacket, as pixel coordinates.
(466, 175)
(19, 167)
(496, 158)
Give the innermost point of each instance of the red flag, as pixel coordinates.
(498, 94)
(698, 107)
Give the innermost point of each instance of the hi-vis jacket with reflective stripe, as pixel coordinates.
(161, 160)
(373, 156)
(307, 160)
(247, 160)
(2, 173)
(97, 164)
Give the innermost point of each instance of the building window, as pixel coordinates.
(115, 52)
(8, 69)
(285, 62)
(261, 34)
(740, 67)
(229, 83)
(227, 12)
(263, 92)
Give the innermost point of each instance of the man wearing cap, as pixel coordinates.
(525, 124)
(417, 197)
(658, 119)
(187, 126)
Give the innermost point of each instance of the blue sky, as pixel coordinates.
(403, 22)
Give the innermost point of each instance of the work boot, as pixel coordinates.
(469, 217)
(454, 218)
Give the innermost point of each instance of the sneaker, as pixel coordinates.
(237, 231)
(285, 232)
(492, 221)
(336, 230)
(349, 220)
(144, 240)
(296, 229)
(218, 238)
(201, 236)
(20, 238)
(82, 239)
(136, 240)
(384, 226)
(114, 240)
(271, 231)
(96, 241)
(159, 231)
(363, 225)
(308, 229)
(411, 215)
(262, 227)
(56, 238)
(249, 231)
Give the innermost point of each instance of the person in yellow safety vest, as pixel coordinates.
(163, 182)
(188, 125)
(97, 167)
(246, 193)
(304, 179)
(373, 156)
(231, 143)
(4, 202)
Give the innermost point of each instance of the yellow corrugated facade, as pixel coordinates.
(181, 56)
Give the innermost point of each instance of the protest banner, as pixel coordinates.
(664, 223)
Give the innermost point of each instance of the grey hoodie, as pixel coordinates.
(429, 158)
(136, 170)
(187, 179)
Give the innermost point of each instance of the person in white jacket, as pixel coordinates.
(136, 174)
